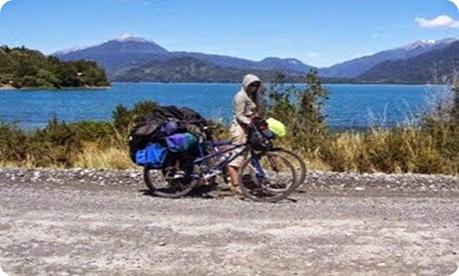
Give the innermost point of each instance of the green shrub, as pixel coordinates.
(56, 144)
(92, 131)
(124, 119)
(13, 144)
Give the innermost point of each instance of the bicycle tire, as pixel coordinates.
(302, 165)
(274, 196)
(163, 192)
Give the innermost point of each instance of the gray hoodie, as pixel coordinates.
(243, 106)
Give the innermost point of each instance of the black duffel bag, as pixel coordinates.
(148, 129)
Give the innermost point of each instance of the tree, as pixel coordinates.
(301, 109)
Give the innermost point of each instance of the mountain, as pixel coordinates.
(119, 53)
(271, 63)
(190, 69)
(436, 66)
(219, 60)
(286, 65)
(356, 67)
(130, 52)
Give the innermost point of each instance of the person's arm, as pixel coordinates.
(239, 108)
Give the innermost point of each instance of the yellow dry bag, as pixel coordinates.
(277, 127)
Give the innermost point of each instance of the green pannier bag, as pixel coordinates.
(277, 127)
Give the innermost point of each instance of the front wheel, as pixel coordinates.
(268, 177)
(297, 162)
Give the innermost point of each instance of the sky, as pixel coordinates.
(317, 32)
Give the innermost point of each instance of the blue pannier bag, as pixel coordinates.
(181, 142)
(153, 156)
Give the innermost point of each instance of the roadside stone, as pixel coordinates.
(315, 180)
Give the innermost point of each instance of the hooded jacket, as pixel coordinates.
(245, 107)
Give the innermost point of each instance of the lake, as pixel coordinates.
(349, 105)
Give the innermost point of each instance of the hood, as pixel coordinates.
(248, 79)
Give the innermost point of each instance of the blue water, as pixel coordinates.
(348, 105)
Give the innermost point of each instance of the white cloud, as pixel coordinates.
(441, 21)
(2, 3)
(455, 2)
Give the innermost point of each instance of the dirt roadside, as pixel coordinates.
(72, 228)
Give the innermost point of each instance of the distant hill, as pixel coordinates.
(271, 63)
(436, 66)
(190, 69)
(117, 54)
(130, 52)
(25, 68)
(356, 67)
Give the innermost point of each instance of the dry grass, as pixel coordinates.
(93, 157)
(390, 151)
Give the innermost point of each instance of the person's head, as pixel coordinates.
(251, 84)
(253, 87)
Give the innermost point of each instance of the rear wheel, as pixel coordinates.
(268, 177)
(167, 184)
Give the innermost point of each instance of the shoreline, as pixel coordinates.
(7, 87)
(12, 88)
(324, 83)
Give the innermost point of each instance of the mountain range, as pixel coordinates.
(356, 67)
(132, 58)
(437, 66)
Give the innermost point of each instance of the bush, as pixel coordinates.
(90, 131)
(13, 144)
(57, 144)
(124, 119)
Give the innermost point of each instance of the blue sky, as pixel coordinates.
(317, 32)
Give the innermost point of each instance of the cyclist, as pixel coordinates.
(247, 103)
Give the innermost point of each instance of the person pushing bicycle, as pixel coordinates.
(257, 168)
(246, 105)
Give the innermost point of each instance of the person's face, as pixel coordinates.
(253, 87)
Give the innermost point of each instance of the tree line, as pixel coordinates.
(25, 68)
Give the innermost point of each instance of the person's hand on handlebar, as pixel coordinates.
(259, 123)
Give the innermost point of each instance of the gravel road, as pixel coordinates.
(84, 222)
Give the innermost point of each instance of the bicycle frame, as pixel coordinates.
(204, 159)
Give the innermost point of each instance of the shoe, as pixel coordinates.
(236, 190)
